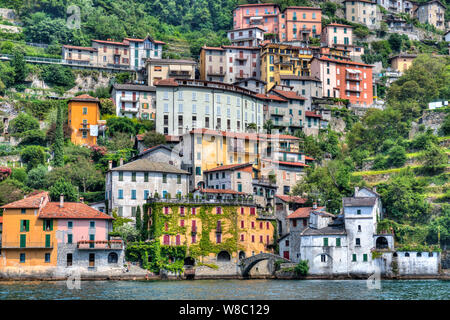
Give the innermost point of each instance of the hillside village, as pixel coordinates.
(308, 139)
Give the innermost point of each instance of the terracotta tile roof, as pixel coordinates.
(300, 7)
(213, 48)
(146, 165)
(289, 94)
(140, 137)
(270, 97)
(338, 25)
(170, 138)
(111, 42)
(287, 163)
(225, 191)
(293, 199)
(344, 62)
(258, 4)
(303, 212)
(167, 82)
(302, 78)
(72, 210)
(85, 97)
(229, 167)
(79, 48)
(312, 114)
(30, 202)
(309, 158)
(240, 47)
(133, 87)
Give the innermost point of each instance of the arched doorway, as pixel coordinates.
(113, 258)
(382, 243)
(241, 255)
(223, 256)
(189, 261)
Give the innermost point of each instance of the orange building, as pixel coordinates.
(28, 240)
(84, 116)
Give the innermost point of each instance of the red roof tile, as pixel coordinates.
(309, 158)
(270, 97)
(229, 167)
(30, 202)
(72, 210)
(213, 48)
(289, 94)
(312, 114)
(339, 25)
(79, 48)
(344, 62)
(303, 212)
(287, 163)
(111, 42)
(167, 82)
(1, 219)
(294, 199)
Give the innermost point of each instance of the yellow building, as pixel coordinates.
(84, 115)
(234, 230)
(281, 59)
(402, 62)
(28, 240)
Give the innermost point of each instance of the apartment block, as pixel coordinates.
(143, 49)
(183, 105)
(83, 118)
(79, 55)
(213, 64)
(300, 23)
(134, 101)
(246, 37)
(431, 12)
(264, 16)
(397, 6)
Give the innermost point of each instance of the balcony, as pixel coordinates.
(241, 58)
(100, 245)
(180, 74)
(241, 75)
(281, 124)
(353, 89)
(84, 127)
(278, 113)
(129, 99)
(129, 110)
(27, 245)
(216, 73)
(352, 78)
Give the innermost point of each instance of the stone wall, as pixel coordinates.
(431, 119)
(402, 265)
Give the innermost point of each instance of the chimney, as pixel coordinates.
(61, 200)
(110, 164)
(315, 205)
(121, 161)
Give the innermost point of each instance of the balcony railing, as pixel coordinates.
(84, 127)
(354, 89)
(241, 58)
(27, 245)
(241, 75)
(100, 245)
(239, 200)
(353, 78)
(216, 73)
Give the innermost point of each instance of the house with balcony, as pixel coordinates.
(134, 101)
(161, 69)
(44, 236)
(261, 15)
(143, 49)
(79, 55)
(298, 24)
(84, 119)
(363, 12)
(246, 37)
(431, 12)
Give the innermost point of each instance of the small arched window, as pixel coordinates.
(113, 258)
(407, 254)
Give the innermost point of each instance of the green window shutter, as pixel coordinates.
(325, 242)
(27, 225)
(69, 238)
(354, 257)
(365, 257)
(51, 224)
(43, 225)
(338, 242)
(23, 240)
(21, 225)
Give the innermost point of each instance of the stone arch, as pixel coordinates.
(318, 258)
(223, 256)
(241, 255)
(382, 243)
(189, 261)
(113, 257)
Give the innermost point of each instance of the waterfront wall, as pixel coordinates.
(410, 263)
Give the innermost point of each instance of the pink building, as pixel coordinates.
(293, 24)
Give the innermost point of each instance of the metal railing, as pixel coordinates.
(27, 245)
(100, 244)
(201, 200)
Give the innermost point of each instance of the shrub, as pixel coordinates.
(302, 268)
(23, 122)
(396, 156)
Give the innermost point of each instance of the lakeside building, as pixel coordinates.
(233, 228)
(345, 244)
(59, 236)
(129, 185)
(340, 37)
(183, 105)
(345, 79)
(284, 206)
(159, 69)
(306, 86)
(279, 60)
(402, 61)
(295, 23)
(83, 118)
(134, 101)
(363, 12)
(252, 84)
(229, 64)
(398, 6)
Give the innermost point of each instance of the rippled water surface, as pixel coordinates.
(228, 289)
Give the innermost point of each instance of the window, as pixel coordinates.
(48, 225)
(359, 228)
(219, 210)
(325, 242)
(358, 211)
(69, 224)
(92, 224)
(69, 238)
(323, 258)
(252, 211)
(146, 177)
(47, 257)
(24, 225)
(354, 257)
(69, 259)
(164, 178)
(120, 194)
(146, 194)
(179, 179)
(23, 211)
(358, 241)
(133, 176)
(133, 194)
(121, 176)
(22, 258)
(85, 110)
(253, 224)
(365, 257)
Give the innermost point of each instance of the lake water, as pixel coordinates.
(229, 289)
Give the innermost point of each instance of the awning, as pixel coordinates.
(353, 71)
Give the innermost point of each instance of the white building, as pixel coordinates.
(250, 37)
(183, 105)
(134, 101)
(343, 245)
(130, 185)
(143, 49)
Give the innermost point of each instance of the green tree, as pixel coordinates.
(63, 187)
(33, 137)
(434, 160)
(23, 122)
(444, 130)
(329, 8)
(19, 174)
(10, 190)
(395, 41)
(120, 124)
(396, 156)
(59, 76)
(58, 146)
(33, 156)
(138, 224)
(20, 66)
(37, 178)
(302, 268)
(153, 138)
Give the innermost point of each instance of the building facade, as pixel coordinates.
(363, 12)
(246, 37)
(402, 62)
(130, 185)
(83, 117)
(159, 69)
(431, 12)
(134, 101)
